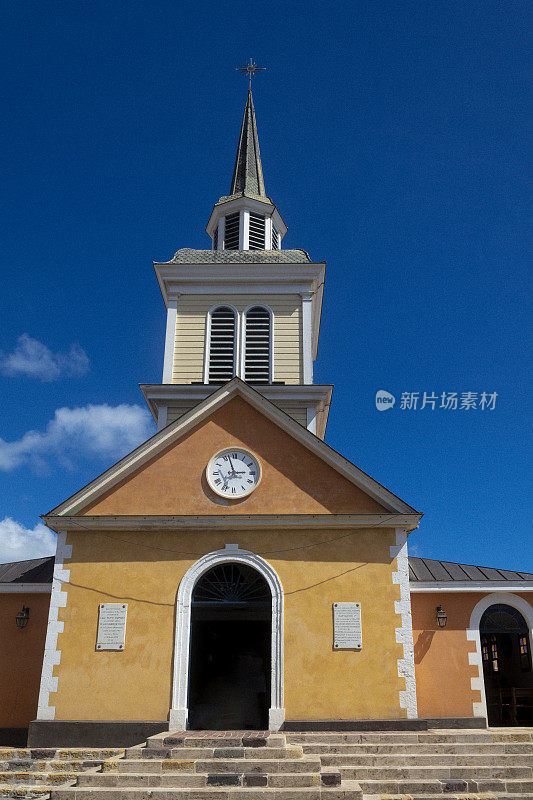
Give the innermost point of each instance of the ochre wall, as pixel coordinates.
(441, 654)
(294, 480)
(316, 568)
(21, 657)
(144, 570)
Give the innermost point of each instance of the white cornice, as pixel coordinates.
(173, 432)
(297, 395)
(471, 586)
(25, 588)
(250, 278)
(231, 522)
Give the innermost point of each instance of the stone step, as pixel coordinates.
(259, 765)
(291, 751)
(47, 766)
(441, 773)
(429, 737)
(350, 791)
(384, 749)
(452, 796)
(21, 792)
(195, 780)
(424, 760)
(179, 764)
(418, 789)
(58, 753)
(220, 739)
(36, 777)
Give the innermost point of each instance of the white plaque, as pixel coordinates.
(347, 632)
(111, 626)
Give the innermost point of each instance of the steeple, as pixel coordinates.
(248, 173)
(246, 219)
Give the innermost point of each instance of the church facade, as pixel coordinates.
(236, 572)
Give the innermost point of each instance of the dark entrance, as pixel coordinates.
(231, 619)
(506, 653)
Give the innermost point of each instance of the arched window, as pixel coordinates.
(221, 345)
(257, 345)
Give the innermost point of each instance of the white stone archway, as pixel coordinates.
(179, 710)
(472, 634)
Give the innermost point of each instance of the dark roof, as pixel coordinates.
(248, 172)
(426, 570)
(36, 570)
(189, 256)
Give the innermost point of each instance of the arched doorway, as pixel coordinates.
(214, 599)
(229, 676)
(507, 665)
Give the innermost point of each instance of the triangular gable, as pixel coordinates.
(160, 445)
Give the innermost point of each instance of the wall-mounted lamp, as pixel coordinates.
(442, 617)
(22, 617)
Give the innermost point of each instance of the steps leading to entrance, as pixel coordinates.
(215, 766)
(496, 764)
(34, 772)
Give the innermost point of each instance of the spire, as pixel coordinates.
(248, 172)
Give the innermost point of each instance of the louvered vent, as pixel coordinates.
(231, 235)
(256, 236)
(215, 238)
(257, 346)
(222, 345)
(275, 239)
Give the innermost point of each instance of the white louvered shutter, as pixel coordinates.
(231, 232)
(222, 345)
(256, 233)
(257, 367)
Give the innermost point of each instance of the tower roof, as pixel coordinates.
(248, 173)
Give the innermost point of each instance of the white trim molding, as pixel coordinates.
(471, 586)
(229, 522)
(236, 337)
(265, 307)
(404, 634)
(179, 711)
(307, 337)
(170, 340)
(477, 683)
(52, 654)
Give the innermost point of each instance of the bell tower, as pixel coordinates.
(244, 308)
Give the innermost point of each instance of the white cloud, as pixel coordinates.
(74, 433)
(35, 360)
(18, 543)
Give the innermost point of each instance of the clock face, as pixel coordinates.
(233, 472)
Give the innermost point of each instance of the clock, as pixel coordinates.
(233, 472)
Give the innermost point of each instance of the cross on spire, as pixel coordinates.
(250, 69)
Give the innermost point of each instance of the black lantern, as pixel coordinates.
(22, 617)
(442, 617)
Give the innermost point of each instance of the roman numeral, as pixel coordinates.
(250, 480)
(235, 455)
(218, 481)
(233, 490)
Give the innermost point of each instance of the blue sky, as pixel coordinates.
(394, 141)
